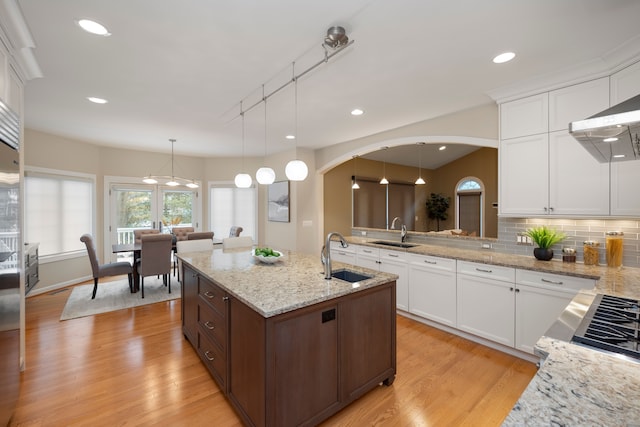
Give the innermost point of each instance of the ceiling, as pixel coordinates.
(180, 69)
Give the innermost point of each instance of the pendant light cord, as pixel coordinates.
(265, 122)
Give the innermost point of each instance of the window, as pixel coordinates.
(231, 206)
(59, 208)
(469, 212)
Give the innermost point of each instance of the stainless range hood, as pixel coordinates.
(612, 135)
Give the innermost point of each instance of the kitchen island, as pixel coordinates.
(286, 346)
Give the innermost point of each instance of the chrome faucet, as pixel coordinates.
(393, 223)
(325, 253)
(403, 233)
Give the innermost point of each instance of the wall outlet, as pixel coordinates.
(523, 239)
(486, 246)
(364, 233)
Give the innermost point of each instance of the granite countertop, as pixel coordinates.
(577, 386)
(623, 282)
(295, 281)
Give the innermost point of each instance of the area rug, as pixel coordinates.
(115, 295)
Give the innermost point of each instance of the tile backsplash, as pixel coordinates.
(577, 231)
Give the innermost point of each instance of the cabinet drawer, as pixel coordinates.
(214, 359)
(553, 281)
(393, 255)
(367, 251)
(213, 324)
(211, 293)
(433, 262)
(495, 272)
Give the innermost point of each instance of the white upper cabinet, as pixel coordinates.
(625, 83)
(4, 70)
(625, 200)
(577, 102)
(524, 175)
(522, 117)
(578, 183)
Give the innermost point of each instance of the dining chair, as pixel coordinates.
(155, 258)
(237, 242)
(137, 234)
(198, 235)
(183, 246)
(104, 270)
(235, 231)
(180, 234)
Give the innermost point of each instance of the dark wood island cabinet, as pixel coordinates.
(299, 362)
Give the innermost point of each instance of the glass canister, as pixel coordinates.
(614, 248)
(590, 248)
(568, 255)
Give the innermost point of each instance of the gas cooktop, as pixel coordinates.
(611, 324)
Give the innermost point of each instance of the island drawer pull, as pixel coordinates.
(394, 255)
(429, 262)
(209, 295)
(552, 282)
(209, 358)
(210, 325)
(367, 251)
(482, 270)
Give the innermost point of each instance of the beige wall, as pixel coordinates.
(309, 218)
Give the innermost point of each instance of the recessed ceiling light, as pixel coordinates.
(290, 137)
(613, 139)
(97, 100)
(357, 112)
(618, 156)
(442, 147)
(93, 27)
(504, 57)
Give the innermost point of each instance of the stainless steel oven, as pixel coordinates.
(10, 259)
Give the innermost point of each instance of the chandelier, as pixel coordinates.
(173, 180)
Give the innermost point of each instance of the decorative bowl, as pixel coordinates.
(267, 259)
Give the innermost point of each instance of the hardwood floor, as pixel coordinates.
(134, 367)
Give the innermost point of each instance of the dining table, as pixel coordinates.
(136, 248)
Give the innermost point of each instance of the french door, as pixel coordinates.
(134, 206)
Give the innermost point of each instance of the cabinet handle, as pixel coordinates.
(366, 251)
(551, 209)
(209, 295)
(552, 282)
(378, 262)
(210, 325)
(208, 356)
(429, 262)
(482, 270)
(517, 290)
(511, 289)
(545, 209)
(394, 255)
(225, 298)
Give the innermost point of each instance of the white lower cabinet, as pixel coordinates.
(432, 288)
(388, 261)
(486, 305)
(540, 299)
(346, 255)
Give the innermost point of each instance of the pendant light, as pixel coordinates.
(265, 175)
(296, 170)
(172, 182)
(242, 180)
(355, 185)
(420, 181)
(384, 180)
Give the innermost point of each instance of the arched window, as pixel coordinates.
(470, 206)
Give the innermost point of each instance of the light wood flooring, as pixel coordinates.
(133, 367)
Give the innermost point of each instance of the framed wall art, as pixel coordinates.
(279, 201)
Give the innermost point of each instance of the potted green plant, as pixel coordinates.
(544, 237)
(437, 206)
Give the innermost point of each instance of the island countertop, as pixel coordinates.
(295, 281)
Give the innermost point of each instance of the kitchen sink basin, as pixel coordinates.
(349, 276)
(394, 244)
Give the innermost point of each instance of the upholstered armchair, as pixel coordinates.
(181, 232)
(104, 270)
(235, 231)
(137, 234)
(199, 235)
(155, 258)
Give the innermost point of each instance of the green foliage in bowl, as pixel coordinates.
(545, 237)
(266, 252)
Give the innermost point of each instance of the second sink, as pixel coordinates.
(394, 244)
(349, 276)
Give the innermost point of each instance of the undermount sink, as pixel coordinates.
(394, 244)
(349, 276)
